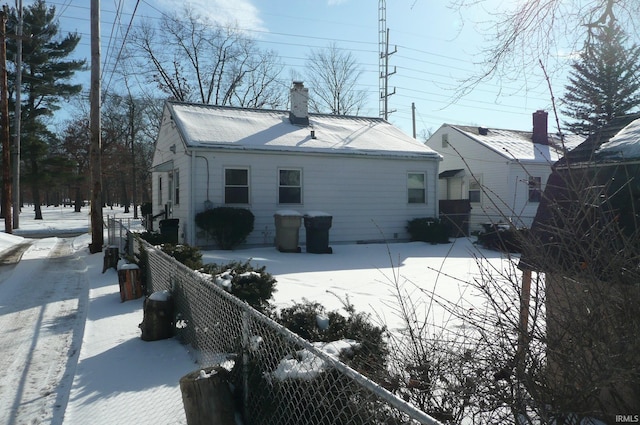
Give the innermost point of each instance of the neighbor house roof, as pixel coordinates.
(208, 126)
(613, 146)
(617, 141)
(518, 145)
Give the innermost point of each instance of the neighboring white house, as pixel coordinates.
(370, 176)
(501, 173)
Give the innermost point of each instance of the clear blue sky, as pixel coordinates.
(436, 49)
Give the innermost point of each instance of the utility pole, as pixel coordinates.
(413, 118)
(95, 157)
(17, 117)
(4, 124)
(132, 123)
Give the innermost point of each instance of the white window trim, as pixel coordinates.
(426, 198)
(473, 180)
(301, 185)
(224, 184)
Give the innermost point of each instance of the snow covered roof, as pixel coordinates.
(624, 145)
(208, 126)
(515, 144)
(618, 141)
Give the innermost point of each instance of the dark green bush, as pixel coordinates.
(188, 255)
(154, 238)
(253, 285)
(428, 229)
(227, 226)
(368, 358)
(504, 239)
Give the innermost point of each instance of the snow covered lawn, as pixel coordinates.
(366, 276)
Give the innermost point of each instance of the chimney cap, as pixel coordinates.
(298, 83)
(482, 130)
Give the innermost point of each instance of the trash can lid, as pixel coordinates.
(317, 214)
(288, 213)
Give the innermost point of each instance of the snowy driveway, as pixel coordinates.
(42, 315)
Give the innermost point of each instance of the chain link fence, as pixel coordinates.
(280, 377)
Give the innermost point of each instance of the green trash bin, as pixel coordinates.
(317, 225)
(287, 230)
(169, 230)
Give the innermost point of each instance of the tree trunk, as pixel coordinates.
(79, 201)
(35, 189)
(125, 197)
(157, 322)
(207, 398)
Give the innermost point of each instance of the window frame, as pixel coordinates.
(281, 186)
(534, 189)
(227, 186)
(410, 199)
(176, 186)
(445, 140)
(475, 186)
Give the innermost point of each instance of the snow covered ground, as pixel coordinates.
(71, 351)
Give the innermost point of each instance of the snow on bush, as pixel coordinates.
(306, 365)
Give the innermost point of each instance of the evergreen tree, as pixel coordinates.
(604, 82)
(46, 72)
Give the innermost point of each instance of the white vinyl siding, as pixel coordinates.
(503, 192)
(367, 196)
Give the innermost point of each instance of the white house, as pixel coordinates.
(501, 173)
(368, 175)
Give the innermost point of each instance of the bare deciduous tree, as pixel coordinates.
(333, 75)
(192, 59)
(532, 31)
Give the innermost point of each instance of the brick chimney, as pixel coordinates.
(299, 113)
(540, 130)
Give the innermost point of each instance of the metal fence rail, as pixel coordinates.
(281, 378)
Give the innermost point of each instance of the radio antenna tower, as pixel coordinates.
(383, 46)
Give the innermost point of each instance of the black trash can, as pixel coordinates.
(169, 230)
(317, 227)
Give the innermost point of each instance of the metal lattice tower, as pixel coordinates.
(383, 46)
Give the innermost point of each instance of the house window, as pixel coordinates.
(159, 190)
(289, 186)
(445, 140)
(535, 185)
(176, 187)
(417, 188)
(236, 186)
(475, 188)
